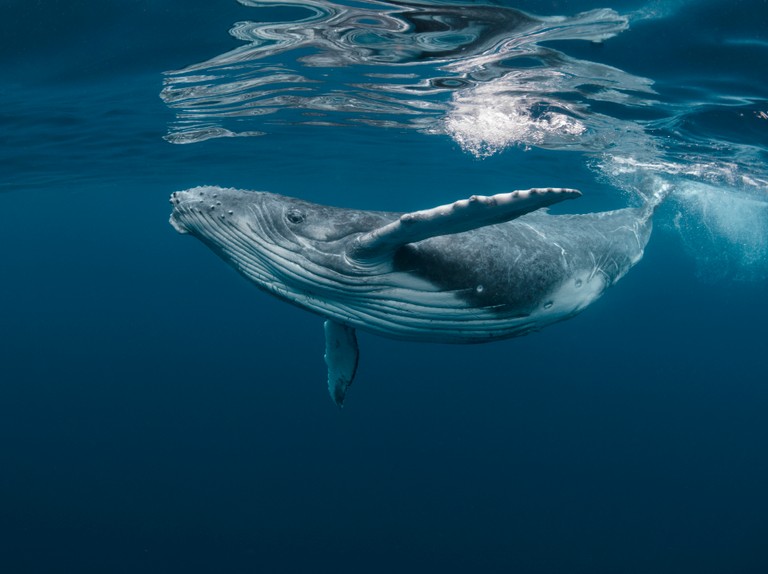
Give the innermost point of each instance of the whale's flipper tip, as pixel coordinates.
(341, 357)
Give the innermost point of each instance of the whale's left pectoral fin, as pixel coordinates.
(341, 355)
(463, 215)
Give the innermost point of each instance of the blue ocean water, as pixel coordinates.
(160, 414)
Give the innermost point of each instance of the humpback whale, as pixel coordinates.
(475, 270)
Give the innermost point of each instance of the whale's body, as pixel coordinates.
(477, 270)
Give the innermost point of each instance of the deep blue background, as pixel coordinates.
(159, 414)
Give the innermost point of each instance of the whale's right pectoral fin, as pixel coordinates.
(341, 355)
(462, 215)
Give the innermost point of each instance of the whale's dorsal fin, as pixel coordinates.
(463, 215)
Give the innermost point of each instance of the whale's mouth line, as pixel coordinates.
(180, 202)
(176, 224)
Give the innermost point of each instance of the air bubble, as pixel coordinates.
(548, 305)
(479, 288)
(578, 283)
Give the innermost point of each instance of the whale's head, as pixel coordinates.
(286, 245)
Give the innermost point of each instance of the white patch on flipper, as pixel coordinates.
(341, 356)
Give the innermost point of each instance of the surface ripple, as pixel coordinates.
(396, 64)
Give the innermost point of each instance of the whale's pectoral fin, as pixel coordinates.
(462, 215)
(341, 356)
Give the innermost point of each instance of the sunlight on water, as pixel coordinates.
(489, 78)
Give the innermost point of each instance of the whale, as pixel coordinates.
(479, 269)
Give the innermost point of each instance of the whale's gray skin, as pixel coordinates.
(477, 270)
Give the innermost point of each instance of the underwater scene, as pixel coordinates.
(364, 286)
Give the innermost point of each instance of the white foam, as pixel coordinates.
(726, 231)
(721, 208)
(484, 124)
(711, 170)
(658, 9)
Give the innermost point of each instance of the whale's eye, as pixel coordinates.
(294, 216)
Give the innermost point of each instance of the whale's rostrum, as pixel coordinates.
(476, 270)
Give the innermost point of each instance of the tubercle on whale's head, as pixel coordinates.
(288, 222)
(216, 214)
(247, 229)
(272, 239)
(202, 209)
